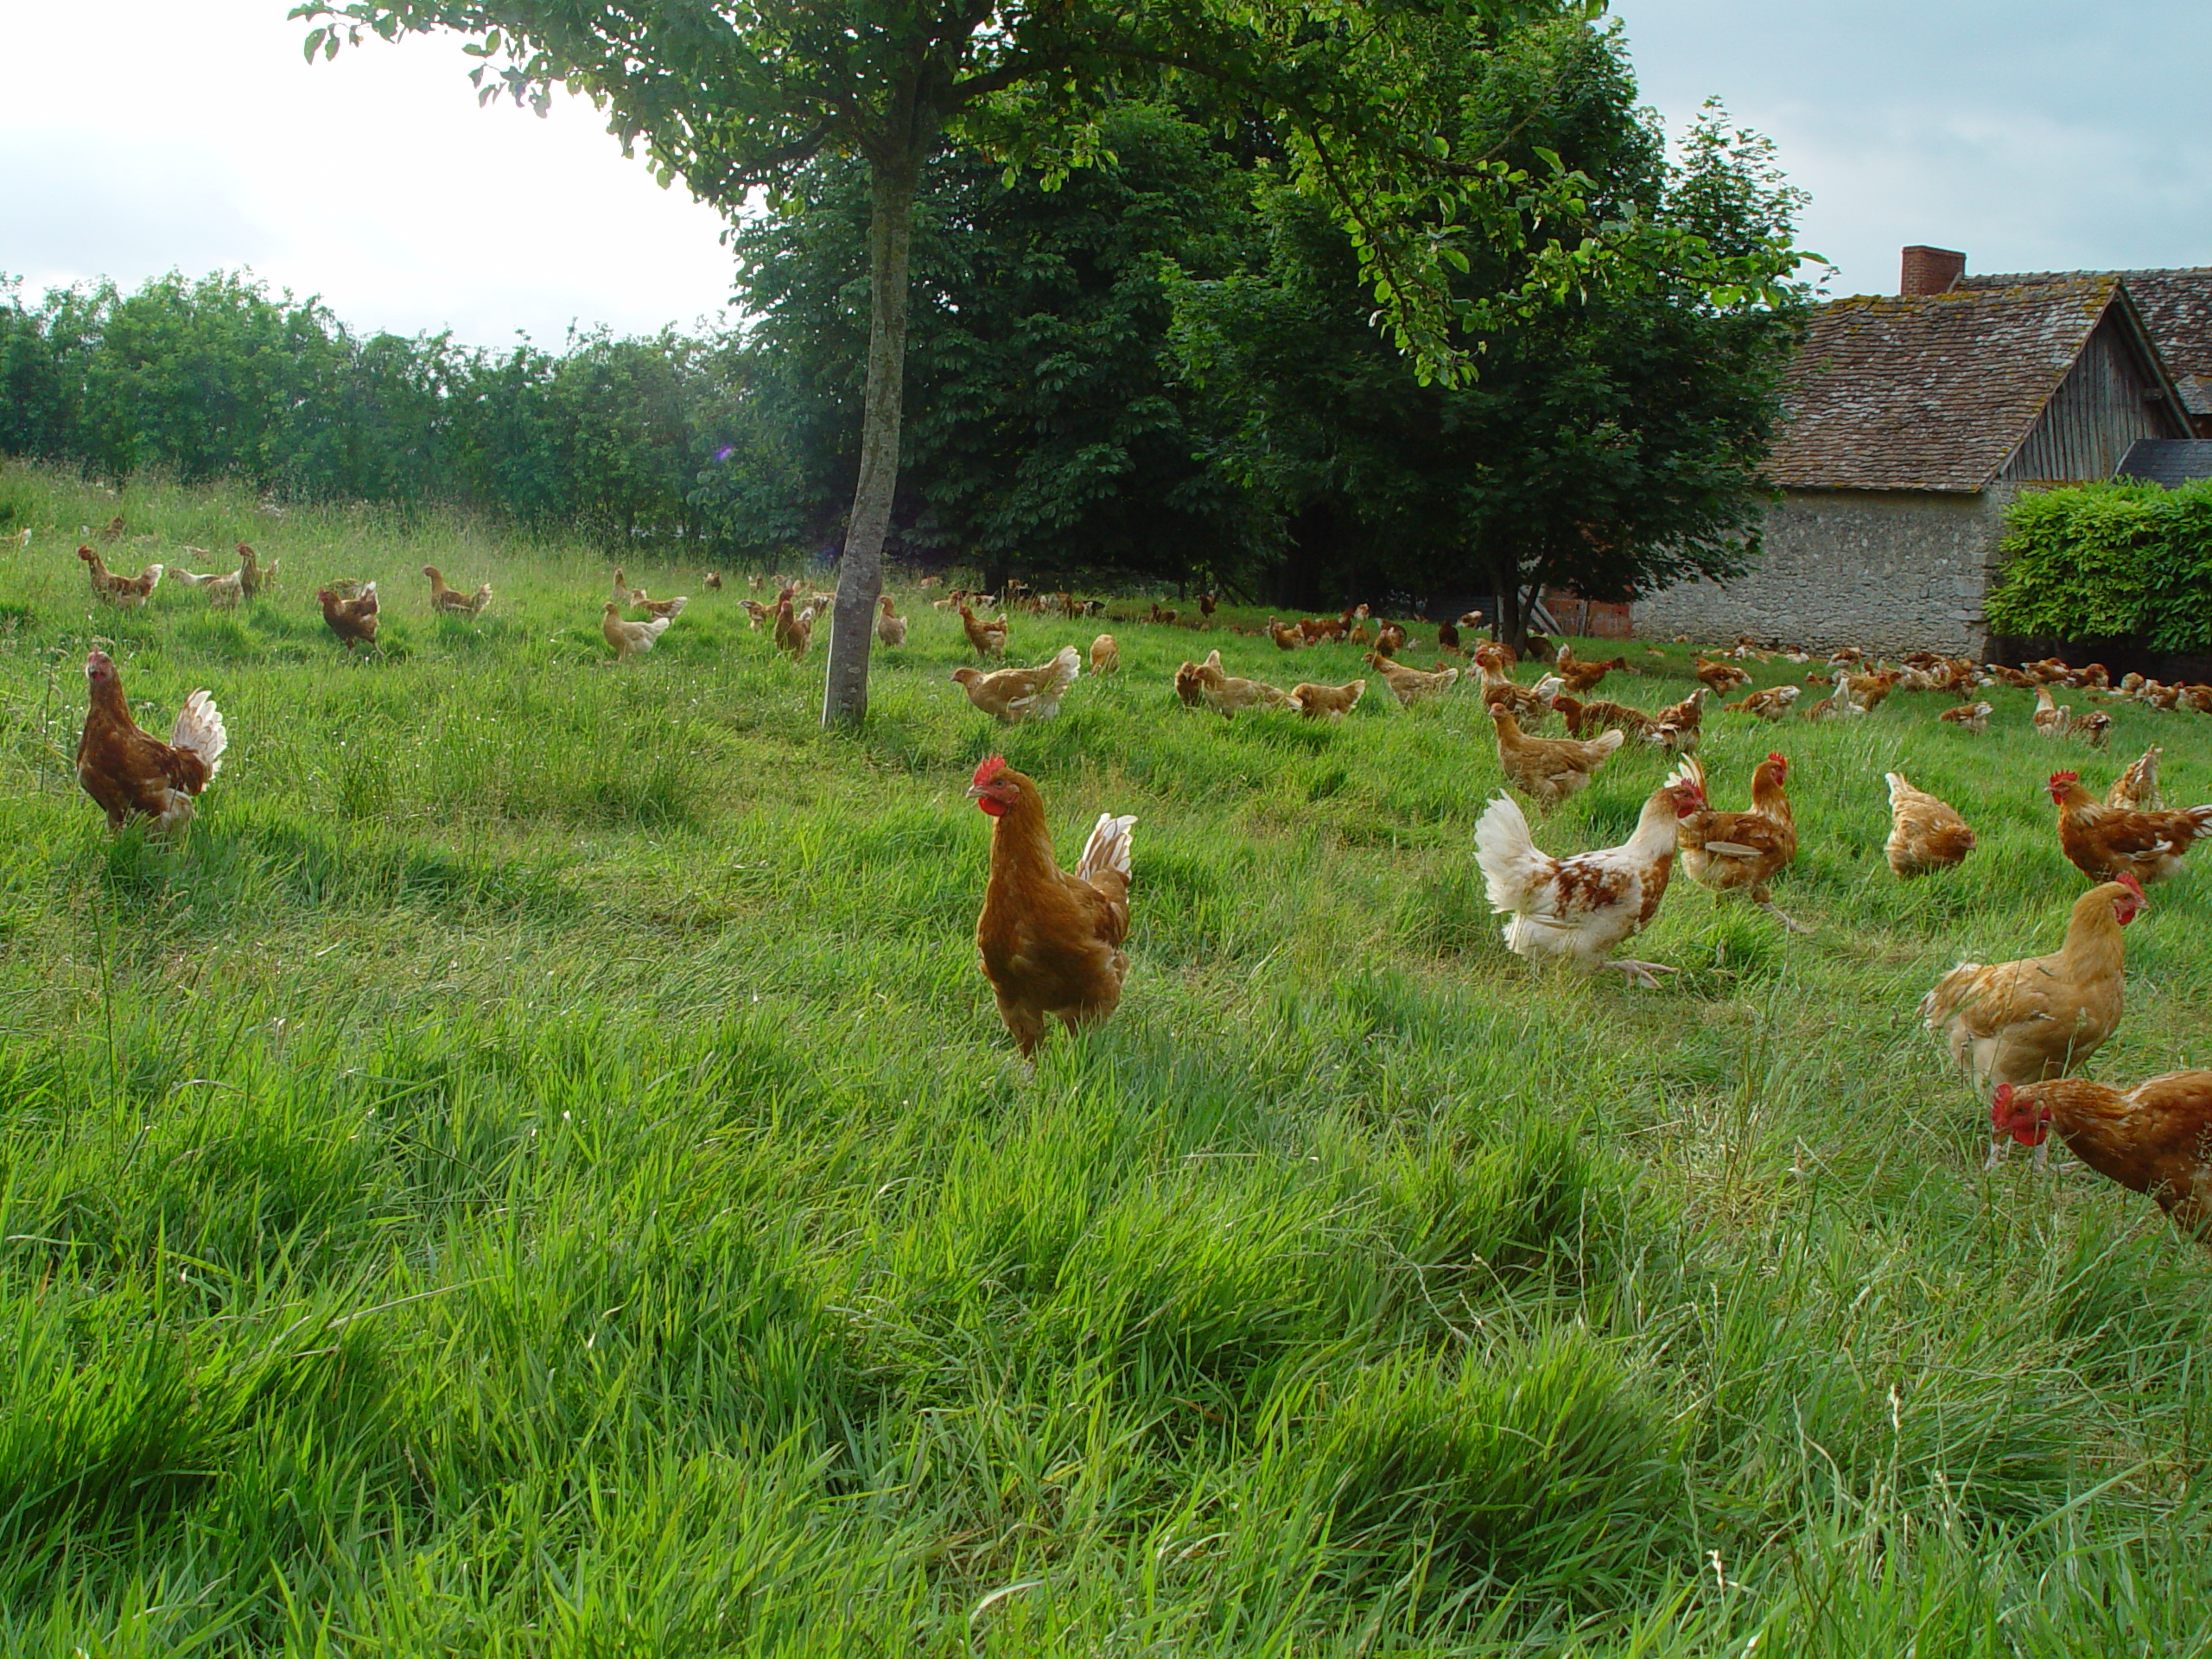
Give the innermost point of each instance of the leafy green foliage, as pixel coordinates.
(2093, 561)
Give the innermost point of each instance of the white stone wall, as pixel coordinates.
(1889, 571)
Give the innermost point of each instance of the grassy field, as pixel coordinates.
(537, 1171)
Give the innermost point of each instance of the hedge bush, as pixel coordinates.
(2094, 560)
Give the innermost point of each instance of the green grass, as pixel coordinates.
(537, 1170)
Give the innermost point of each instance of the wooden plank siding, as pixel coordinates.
(2098, 411)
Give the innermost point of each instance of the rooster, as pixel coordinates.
(2155, 1139)
(126, 593)
(2042, 1016)
(1925, 834)
(1732, 852)
(1014, 695)
(1051, 941)
(1578, 909)
(2103, 842)
(128, 772)
(352, 618)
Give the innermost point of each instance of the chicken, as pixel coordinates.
(127, 593)
(1051, 941)
(184, 578)
(890, 626)
(2049, 718)
(1968, 717)
(1162, 615)
(1014, 695)
(1226, 695)
(1773, 703)
(1578, 909)
(794, 634)
(2103, 841)
(988, 638)
(224, 592)
(1580, 677)
(1865, 691)
(1316, 701)
(1285, 638)
(624, 593)
(712, 582)
(1105, 655)
(452, 601)
(1389, 639)
(352, 618)
(1925, 834)
(1548, 769)
(2155, 1139)
(2040, 1017)
(1447, 636)
(1679, 728)
(659, 610)
(2136, 790)
(254, 577)
(129, 771)
(627, 638)
(1719, 678)
(1410, 685)
(1741, 852)
(111, 531)
(1207, 603)
(2094, 728)
(1186, 685)
(1589, 719)
(1530, 703)
(757, 614)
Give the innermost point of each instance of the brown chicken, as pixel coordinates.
(1680, 727)
(1014, 695)
(1741, 852)
(1589, 719)
(2155, 1139)
(1286, 639)
(1925, 834)
(2136, 790)
(1580, 677)
(451, 600)
(127, 771)
(1051, 941)
(256, 577)
(1389, 639)
(794, 630)
(353, 620)
(624, 593)
(2101, 841)
(1773, 703)
(1315, 702)
(988, 638)
(1548, 769)
(2040, 1017)
(1226, 695)
(1968, 717)
(712, 582)
(128, 593)
(1410, 685)
(1105, 655)
(890, 626)
(1719, 678)
(659, 609)
(629, 637)
(1186, 685)
(1161, 614)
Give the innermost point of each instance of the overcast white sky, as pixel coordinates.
(2034, 134)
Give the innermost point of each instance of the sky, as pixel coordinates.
(2032, 134)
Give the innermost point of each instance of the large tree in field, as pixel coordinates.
(734, 95)
(1615, 439)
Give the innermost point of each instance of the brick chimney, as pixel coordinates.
(1930, 271)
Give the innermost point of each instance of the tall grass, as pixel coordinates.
(536, 1169)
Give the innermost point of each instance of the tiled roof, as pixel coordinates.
(2169, 462)
(1934, 392)
(2176, 310)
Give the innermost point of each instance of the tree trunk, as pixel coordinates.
(1512, 628)
(860, 582)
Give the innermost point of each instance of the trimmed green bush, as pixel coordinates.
(2094, 560)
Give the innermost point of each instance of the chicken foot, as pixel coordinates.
(1640, 973)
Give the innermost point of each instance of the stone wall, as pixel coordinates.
(1891, 570)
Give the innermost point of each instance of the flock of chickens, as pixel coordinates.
(1051, 941)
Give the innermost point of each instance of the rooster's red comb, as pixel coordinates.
(1776, 756)
(2127, 878)
(2000, 1102)
(2065, 777)
(990, 769)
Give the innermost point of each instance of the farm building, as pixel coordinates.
(1912, 421)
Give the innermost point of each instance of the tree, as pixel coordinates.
(736, 97)
(1615, 437)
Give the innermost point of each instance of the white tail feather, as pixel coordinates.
(1108, 847)
(199, 728)
(1508, 857)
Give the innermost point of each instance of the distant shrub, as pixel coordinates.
(2099, 559)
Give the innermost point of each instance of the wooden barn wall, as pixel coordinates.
(2098, 411)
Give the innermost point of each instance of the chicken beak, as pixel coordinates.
(975, 791)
